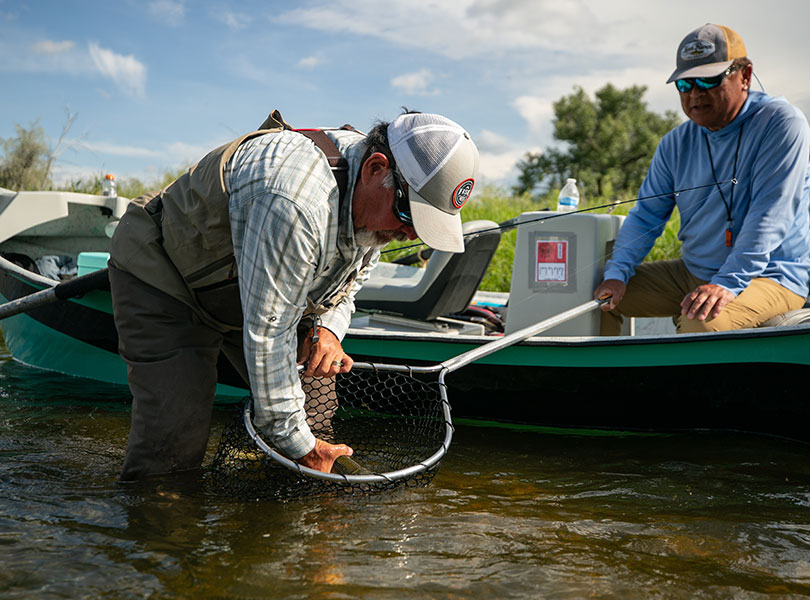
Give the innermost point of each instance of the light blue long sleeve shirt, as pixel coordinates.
(770, 222)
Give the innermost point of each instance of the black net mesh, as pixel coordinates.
(391, 420)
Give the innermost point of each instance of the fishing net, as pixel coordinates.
(397, 424)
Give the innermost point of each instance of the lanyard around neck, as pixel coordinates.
(728, 204)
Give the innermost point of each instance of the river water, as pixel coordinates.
(512, 513)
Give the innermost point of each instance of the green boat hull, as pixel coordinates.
(753, 380)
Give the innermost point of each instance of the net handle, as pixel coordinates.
(374, 478)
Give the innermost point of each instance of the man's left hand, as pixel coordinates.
(323, 455)
(705, 301)
(325, 358)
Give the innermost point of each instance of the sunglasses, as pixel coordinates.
(703, 83)
(401, 206)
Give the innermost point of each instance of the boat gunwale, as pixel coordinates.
(565, 341)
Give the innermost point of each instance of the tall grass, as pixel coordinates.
(666, 246)
(126, 187)
(494, 204)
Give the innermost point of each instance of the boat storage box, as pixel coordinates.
(92, 261)
(558, 264)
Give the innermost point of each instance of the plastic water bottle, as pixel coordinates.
(569, 197)
(108, 186)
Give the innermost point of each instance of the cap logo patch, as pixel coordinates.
(697, 49)
(462, 192)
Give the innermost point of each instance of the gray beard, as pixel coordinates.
(374, 239)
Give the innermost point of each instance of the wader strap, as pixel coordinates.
(154, 209)
(338, 164)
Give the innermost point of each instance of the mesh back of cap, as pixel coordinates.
(422, 144)
(431, 151)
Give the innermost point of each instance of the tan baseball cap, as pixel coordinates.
(439, 161)
(707, 51)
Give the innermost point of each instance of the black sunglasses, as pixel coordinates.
(401, 206)
(704, 83)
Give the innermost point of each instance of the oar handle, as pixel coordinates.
(97, 280)
(470, 356)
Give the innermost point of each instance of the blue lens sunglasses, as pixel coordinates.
(401, 206)
(703, 83)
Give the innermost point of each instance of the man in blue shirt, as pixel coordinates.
(746, 239)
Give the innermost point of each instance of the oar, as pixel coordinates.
(72, 288)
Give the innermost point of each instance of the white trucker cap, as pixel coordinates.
(439, 161)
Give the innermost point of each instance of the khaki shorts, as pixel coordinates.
(657, 289)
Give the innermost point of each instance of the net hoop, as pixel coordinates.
(390, 476)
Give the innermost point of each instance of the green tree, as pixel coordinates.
(26, 159)
(608, 143)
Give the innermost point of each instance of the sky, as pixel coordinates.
(155, 84)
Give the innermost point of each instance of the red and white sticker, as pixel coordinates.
(552, 261)
(462, 192)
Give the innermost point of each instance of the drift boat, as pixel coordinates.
(647, 378)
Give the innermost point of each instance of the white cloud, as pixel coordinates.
(244, 66)
(168, 12)
(20, 55)
(499, 155)
(415, 84)
(62, 173)
(147, 163)
(127, 72)
(309, 62)
(536, 110)
(51, 47)
(489, 141)
(234, 20)
(184, 153)
(501, 166)
(459, 29)
(108, 148)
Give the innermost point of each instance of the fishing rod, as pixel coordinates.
(516, 221)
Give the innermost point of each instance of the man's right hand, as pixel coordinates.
(613, 288)
(323, 455)
(325, 358)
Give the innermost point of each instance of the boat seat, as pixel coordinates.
(793, 317)
(445, 286)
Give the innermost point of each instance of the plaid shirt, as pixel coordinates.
(292, 242)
